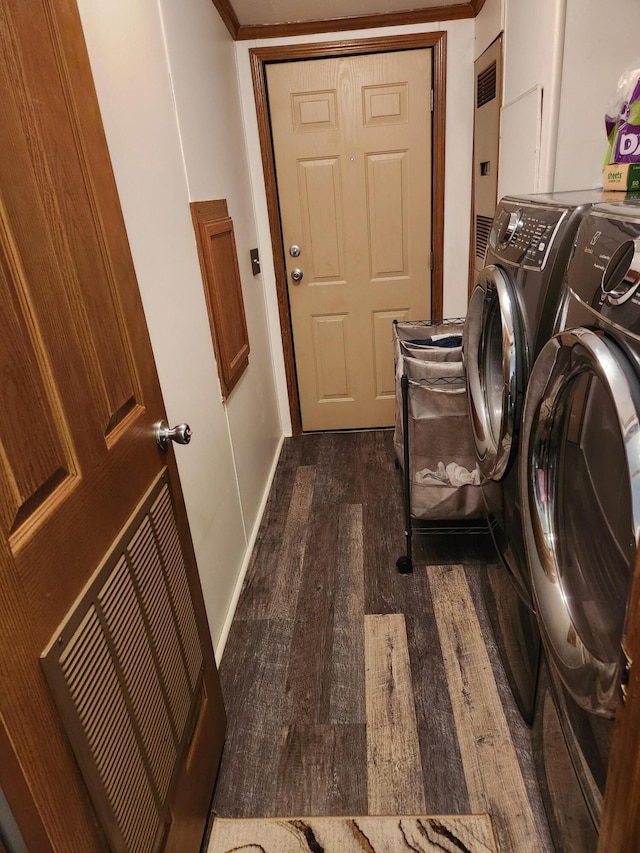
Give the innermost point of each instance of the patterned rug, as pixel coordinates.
(450, 834)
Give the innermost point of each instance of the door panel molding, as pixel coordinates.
(387, 179)
(259, 58)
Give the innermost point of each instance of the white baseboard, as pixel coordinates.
(247, 557)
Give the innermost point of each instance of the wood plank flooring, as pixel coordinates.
(394, 766)
(494, 779)
(353, 690)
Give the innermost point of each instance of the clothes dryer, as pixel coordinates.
(570, 823)
(510, 316)
(580, 484)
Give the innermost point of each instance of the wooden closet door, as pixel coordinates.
(95, 545)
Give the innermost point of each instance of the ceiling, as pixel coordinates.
(249, 19)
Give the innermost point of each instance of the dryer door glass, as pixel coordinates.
(494, 362)
(581, 477)
(595, 545)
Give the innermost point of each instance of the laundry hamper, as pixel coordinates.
(433, 438)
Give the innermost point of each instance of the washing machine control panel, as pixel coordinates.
(523, 235)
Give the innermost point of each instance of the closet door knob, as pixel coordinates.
(181, 434)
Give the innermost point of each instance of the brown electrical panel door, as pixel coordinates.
(223, 290)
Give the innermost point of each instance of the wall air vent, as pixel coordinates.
(483, 229)
(486, 85)
(125, 670)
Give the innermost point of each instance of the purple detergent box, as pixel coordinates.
(622, 120)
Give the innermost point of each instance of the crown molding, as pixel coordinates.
(229, 17)
(243, 32)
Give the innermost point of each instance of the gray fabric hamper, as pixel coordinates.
(444, 482)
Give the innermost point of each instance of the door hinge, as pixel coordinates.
(625, 674)
(430, 260)
(432, 100)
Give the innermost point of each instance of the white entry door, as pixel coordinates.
(352, 141)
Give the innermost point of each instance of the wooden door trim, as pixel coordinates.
(259, 58)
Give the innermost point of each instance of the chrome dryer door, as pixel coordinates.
(493, 356)
(580, 496)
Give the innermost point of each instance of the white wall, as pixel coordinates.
(601, 39)
(532, 58)
(203, 73)
(575, 50)
(459, 145)
(169, 145)
(489, 23)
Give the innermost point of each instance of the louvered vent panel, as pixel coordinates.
(92, 682)
(145, 561)
(131, 643)
(164, 523)
(124, 670)
(483, 229)
(486, 85)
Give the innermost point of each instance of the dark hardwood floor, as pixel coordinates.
(352, 689)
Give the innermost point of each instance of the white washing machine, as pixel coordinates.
(580, 485)
(510, 316)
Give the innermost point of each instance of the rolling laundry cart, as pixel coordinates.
(433, 439)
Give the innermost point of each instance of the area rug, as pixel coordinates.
(419, 834)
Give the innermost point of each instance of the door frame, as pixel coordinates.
(259, 58)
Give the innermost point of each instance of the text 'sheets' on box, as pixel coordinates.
(621, 176)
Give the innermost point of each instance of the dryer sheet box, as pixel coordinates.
(624, 177)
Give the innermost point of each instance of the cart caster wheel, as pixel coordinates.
(397, 464)
(404, 565)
